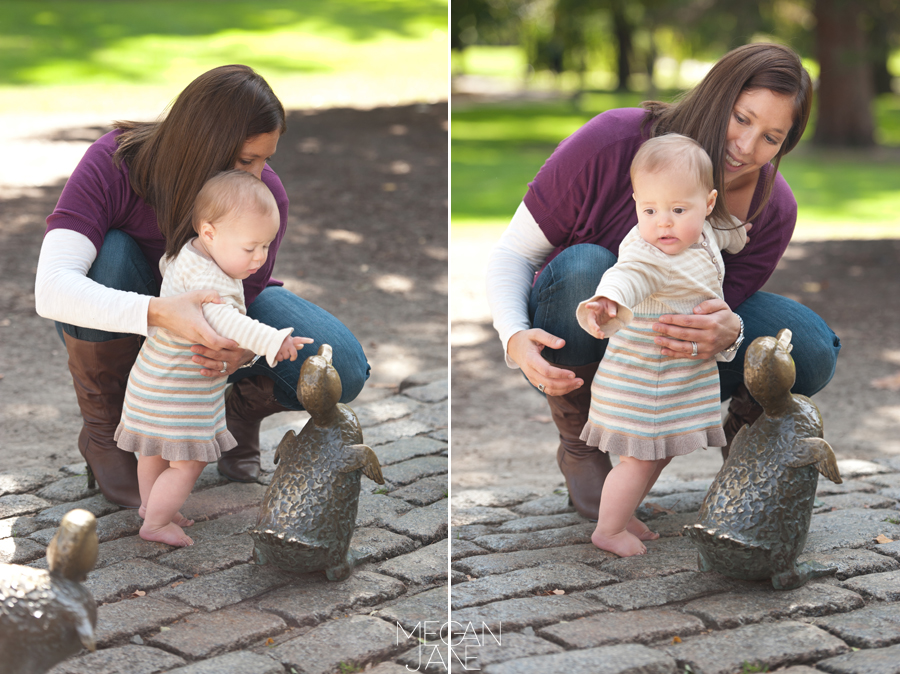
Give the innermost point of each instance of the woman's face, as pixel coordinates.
(256, 151)
(759, 124)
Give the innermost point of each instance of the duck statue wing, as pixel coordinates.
(816, 451)
(362, 457)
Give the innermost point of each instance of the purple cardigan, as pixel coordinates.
(582, 194)
(98, 197)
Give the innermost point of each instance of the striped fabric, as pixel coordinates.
(170, 409)
(644, 404)
(650, 406)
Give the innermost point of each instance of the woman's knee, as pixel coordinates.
(121, 264)
(581, 266)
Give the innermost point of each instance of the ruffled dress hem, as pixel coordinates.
(207, 451)
(651, 449)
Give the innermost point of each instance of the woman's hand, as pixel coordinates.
(217, 362)
(712, 326)
(525, 348)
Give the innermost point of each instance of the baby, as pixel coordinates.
(646, 407)
(173, 416)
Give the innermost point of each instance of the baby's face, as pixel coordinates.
(240, 241)
(671, 209)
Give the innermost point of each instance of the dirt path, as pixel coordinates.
(367, 240)
(502, 433)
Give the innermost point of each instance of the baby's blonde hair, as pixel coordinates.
(674, 152)
(228, 192)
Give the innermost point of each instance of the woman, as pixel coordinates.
(98, 274)
(747, 113)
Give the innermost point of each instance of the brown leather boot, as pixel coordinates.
(742, 409)
(100, 374)
(585, 468)
(249, 402)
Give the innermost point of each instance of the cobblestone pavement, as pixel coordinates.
(524, 573)
(207, 609)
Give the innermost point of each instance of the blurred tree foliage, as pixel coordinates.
(851, 40)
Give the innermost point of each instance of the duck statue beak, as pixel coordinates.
(784, 340)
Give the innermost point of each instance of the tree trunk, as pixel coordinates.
(845, 80)
(622, 30)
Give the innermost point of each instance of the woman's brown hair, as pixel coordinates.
(703, 113)
(171, 159)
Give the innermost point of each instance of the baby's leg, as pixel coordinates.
(149, 470)
(637, 527)
(169, 493)
(622, 493)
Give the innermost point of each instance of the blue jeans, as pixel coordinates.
(121, 265)
(573, 276)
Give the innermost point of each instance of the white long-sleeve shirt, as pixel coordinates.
(512, 265)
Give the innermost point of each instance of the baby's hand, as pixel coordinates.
(600, 311)
(289, 347)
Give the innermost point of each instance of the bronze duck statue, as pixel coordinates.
(754, 520)
(309, 511)
(46, 616)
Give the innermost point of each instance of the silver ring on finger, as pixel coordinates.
(693, 348)
(225, 367)
(541, 388)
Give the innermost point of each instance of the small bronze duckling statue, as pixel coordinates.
(308, 514)
(754, 520)
(46, 616)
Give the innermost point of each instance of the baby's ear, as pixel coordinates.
(711, 201)
(206, 231)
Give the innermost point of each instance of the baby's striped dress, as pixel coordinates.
(644, 404)
(170, 409)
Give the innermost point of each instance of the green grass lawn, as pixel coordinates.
(73, 55)
(496, 150)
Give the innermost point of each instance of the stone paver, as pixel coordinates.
(734, 609)
(494, 563)
(767, 645)
(131, 659)
(635, 594)
(604, 629)
(606, 660)
(351, 642)
(118, 622)
(549, 538)
(240, 662)
(20, 550)
(424, 492)
(426, 524)
(883, 586)
(514, 614)
(412, 612)
(539, 580)
(853, 562)
(210, 555)
(122, 579)
(871, 627)
(21, 481)
(423, 566)
(309, 601)
(204, 635)
(554, 504)
(21, 504)
(874, 661)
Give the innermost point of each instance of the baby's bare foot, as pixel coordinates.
(623, 543)
(170, 534)
(177, 518)
(641, 530)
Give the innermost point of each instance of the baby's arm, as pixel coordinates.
(600, 317)
(289, 347)
(731, 240)
(275, 345)
(626, 284)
